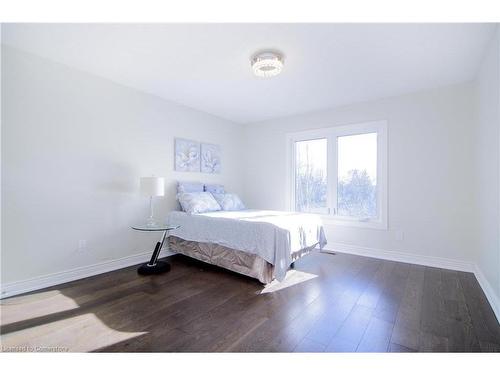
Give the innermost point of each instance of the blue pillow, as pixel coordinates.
(189, 187)
(214, 188)
(229, 202)
(197, 203)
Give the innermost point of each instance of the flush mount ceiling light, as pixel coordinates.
(267, 64)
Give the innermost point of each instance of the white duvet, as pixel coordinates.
(272, 235)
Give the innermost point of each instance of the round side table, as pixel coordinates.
(155, 266)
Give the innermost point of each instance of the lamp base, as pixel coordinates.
(151, 223)
(159, 267)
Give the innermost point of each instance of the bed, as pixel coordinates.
(258, 243)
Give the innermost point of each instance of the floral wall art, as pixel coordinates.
(187, 155)
(191, 156)
(210, 158)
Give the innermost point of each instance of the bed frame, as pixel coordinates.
(234, 260)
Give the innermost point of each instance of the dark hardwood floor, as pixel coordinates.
(331, 303)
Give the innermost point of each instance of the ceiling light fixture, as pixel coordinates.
(267, 64)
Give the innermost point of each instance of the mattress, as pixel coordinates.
(271, 235)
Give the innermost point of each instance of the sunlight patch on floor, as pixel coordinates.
(80, 333)
(17, 309)
(293, 277)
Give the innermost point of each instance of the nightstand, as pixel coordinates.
(154, 266)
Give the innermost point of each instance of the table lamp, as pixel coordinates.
(152, 187)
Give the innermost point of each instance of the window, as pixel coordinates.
(357, 175)
(310, 176)
(341, 173)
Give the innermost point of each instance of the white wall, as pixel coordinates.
(430, 186)
(487, 165)
(73, 148)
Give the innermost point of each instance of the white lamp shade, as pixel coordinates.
(153, 186)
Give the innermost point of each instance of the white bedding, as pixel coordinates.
(272, 235)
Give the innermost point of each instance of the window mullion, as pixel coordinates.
(294, 175)
(332, 173)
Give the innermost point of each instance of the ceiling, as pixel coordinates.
(207, 66)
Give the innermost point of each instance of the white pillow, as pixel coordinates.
(196, 203)
(229, 202)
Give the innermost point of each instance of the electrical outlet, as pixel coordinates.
(82, 245)
(399, 235)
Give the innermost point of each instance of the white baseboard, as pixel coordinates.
(40, 282)
(424, 260)
(398, 256)
(488, 290)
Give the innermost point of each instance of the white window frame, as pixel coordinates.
(331, 134)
